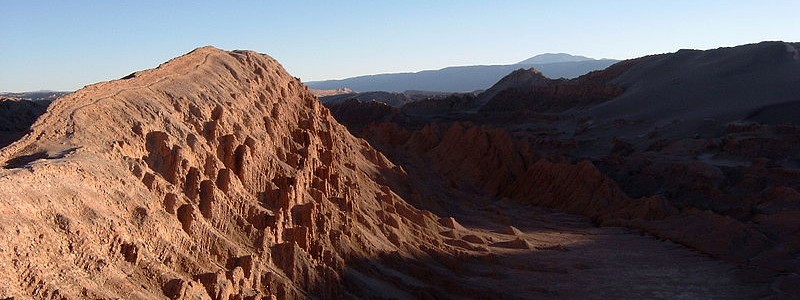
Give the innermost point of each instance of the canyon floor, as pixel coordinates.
(571, 258)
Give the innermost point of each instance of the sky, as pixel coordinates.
(64, 45)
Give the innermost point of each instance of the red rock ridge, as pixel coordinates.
(214, 175)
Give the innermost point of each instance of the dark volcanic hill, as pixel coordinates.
(690, 87)
(460, 79)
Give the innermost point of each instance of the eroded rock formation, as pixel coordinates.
(214, 175)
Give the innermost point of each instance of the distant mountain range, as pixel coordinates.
(467, 78)
(36, 95)
(549, 58)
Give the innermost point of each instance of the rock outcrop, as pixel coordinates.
(530, 90)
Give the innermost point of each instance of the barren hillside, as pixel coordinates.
(215, 174)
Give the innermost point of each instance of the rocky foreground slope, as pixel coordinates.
(217, 175)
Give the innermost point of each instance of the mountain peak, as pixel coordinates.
(549, 58)
(528, 75)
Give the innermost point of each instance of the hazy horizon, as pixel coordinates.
(66, 45)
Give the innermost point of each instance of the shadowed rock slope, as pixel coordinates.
(215, 175)
(16, 117)
(697, 147)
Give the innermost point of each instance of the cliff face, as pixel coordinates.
(214, 175)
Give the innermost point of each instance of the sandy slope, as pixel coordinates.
(690, 87)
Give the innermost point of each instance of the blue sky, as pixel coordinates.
(64, 45)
